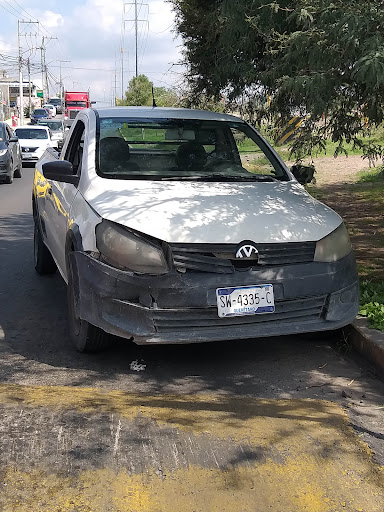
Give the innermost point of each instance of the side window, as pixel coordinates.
(253, 158)
(74, 153)
(8, 132)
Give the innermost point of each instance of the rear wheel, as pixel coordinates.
(85, 336)
(44, 263)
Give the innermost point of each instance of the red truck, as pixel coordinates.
(74, 102)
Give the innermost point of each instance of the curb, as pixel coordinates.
(369, 342)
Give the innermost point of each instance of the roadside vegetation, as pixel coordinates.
(361, 205)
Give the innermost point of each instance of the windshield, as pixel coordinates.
(76, 104)
(53, 125)
(184, 149)
(40, 112)
(30, 133)
(55, 102)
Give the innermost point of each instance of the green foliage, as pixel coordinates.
(372, 303)
(139, 93)
(315, 57)
(372, 175)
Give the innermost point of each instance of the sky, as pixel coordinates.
(90, 34)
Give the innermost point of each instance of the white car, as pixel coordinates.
(51, 108)
(181, 226)
(34, 140)
(57, 128)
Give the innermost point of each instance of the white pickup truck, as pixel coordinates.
(181, 226)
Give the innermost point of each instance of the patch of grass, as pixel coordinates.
(372, 303)
(375, 175)
(375, 136)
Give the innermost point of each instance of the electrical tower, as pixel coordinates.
(140, 9)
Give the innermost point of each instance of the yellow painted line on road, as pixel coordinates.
(314, 462)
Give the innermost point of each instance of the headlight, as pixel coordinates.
(3, 151)
(123, 249)
(334, 246)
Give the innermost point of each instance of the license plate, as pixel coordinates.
(245, 300)
(27, 155)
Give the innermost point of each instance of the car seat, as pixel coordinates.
(190, 156)
(115, 155)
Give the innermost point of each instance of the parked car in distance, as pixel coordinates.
(34, 140)
(58, 130)
(51, 108)
(10, 154)
(39, 113)
(182, 226)
(57, 103)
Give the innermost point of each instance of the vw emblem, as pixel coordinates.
(247, 250)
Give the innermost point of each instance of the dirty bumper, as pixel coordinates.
(181, 308)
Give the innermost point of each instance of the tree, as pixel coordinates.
(323, 60)
(139, 93)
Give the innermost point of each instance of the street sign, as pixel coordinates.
(39, 94)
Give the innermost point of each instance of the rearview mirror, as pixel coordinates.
(303, 173)
(60, 170)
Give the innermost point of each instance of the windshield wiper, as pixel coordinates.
(220, 178)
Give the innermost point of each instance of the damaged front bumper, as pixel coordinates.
(181, 308)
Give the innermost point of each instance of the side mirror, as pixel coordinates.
(60, 170)
(303, 173)
(14, 139)
(93, 102)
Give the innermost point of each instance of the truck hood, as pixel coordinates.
(190, 212)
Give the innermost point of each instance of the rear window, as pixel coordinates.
(53, 125)
(184, 149)
(40, 112)
(29, 133)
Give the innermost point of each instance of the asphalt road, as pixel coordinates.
(182, 427)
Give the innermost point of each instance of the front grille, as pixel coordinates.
(286, 311)
(221, 259)
(28, 150)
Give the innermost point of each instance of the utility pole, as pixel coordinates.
(61, 80)
(135, 37)
(29, 87)
(1, 105)
(44, 70)
(21, 92)
(21, 89)
(122, 73)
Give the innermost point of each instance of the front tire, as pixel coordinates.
(44, 263)
(85, 336)
(9, 178)
(18, 172)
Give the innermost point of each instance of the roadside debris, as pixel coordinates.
(137, 367)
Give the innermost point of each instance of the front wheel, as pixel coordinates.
(85, 336)
(44, 263)
(9, 178)
(18, 172)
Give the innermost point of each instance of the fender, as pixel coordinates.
(74, 240)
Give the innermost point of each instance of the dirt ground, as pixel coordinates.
(343, 169)
(360, 204)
